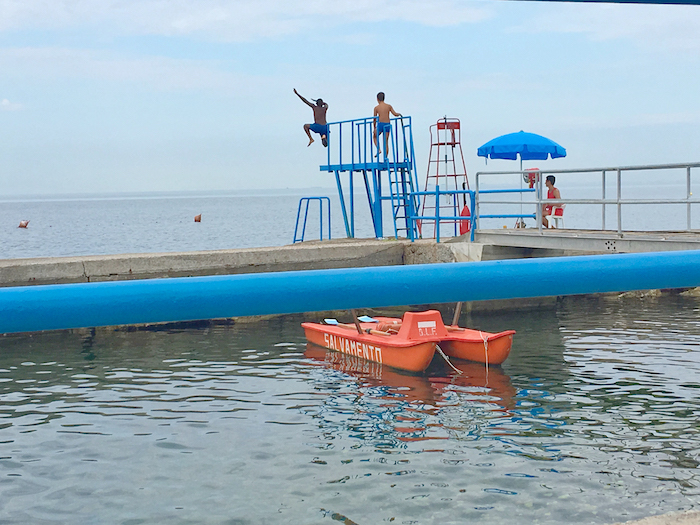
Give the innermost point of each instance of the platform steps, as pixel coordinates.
(401, 188)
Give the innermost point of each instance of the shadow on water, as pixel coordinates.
(592, 419)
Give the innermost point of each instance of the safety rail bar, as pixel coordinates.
(308, 200)
(438, 218)
(362, 152)
(415, 218)
(618, 201)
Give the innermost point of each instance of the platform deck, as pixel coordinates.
(362, 166)
(594, 241)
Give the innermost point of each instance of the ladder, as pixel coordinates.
(398, 162)
(447, 169)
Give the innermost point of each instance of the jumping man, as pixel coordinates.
(320, 125)
(384, 112)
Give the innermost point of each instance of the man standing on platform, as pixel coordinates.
(384, 112)
(320, 125)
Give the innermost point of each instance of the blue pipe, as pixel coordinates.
(51, 307)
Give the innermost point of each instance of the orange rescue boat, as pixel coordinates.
(411, 347)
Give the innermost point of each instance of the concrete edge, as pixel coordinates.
(674, 518)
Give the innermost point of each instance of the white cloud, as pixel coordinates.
(231, 20)
(6, 105)
(158, 73)
(674, 27)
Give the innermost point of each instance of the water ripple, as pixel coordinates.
(593, 419)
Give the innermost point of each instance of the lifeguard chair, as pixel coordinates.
(557, 216)
(446, 168)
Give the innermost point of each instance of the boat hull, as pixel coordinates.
(482, 347)
(414, 357)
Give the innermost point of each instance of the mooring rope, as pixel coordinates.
(486, 354)
(437, 347)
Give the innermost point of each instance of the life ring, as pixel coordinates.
(531, 177)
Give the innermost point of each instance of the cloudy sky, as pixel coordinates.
(181, 95)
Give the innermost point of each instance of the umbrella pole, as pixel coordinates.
(521, 221)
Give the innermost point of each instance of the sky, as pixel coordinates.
(197, 95)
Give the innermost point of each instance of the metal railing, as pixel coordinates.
(455, 220)
(618, 201)
(351, 144)
(307, 200)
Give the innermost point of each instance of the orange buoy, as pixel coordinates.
(198, 218)
(23, 224)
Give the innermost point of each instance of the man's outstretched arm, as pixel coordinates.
(393, 111)
(302, 98)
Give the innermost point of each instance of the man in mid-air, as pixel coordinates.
(320, 125)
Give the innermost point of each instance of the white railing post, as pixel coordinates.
(603, 200)
(619, 204)
(689, 193)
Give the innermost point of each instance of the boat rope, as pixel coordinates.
(486, 354)
(437, 347)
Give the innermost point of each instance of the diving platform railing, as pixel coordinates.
(388, 171)
(299, 237)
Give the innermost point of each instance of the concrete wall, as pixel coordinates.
(301, 256)
(304, 256)
(313, 255)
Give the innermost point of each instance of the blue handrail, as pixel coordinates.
(307, 200)
(446, 218)
(414, 217)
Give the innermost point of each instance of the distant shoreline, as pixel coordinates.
(63, 197)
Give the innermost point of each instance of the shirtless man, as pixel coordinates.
(384, 112)
(320, 125)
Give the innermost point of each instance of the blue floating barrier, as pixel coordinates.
(51, 307)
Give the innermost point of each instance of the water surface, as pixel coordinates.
(593, 419)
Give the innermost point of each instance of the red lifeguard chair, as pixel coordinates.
(446, 168)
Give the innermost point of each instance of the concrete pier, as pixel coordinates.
(679, 518)
(349, 253)
(515, 240)
(338, 253)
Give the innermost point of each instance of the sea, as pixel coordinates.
(593, 419)
(99, 224)
(71, 225)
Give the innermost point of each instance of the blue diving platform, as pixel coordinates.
(387, 171)
(367, 166)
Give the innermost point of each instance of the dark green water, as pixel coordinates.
(593, 419)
